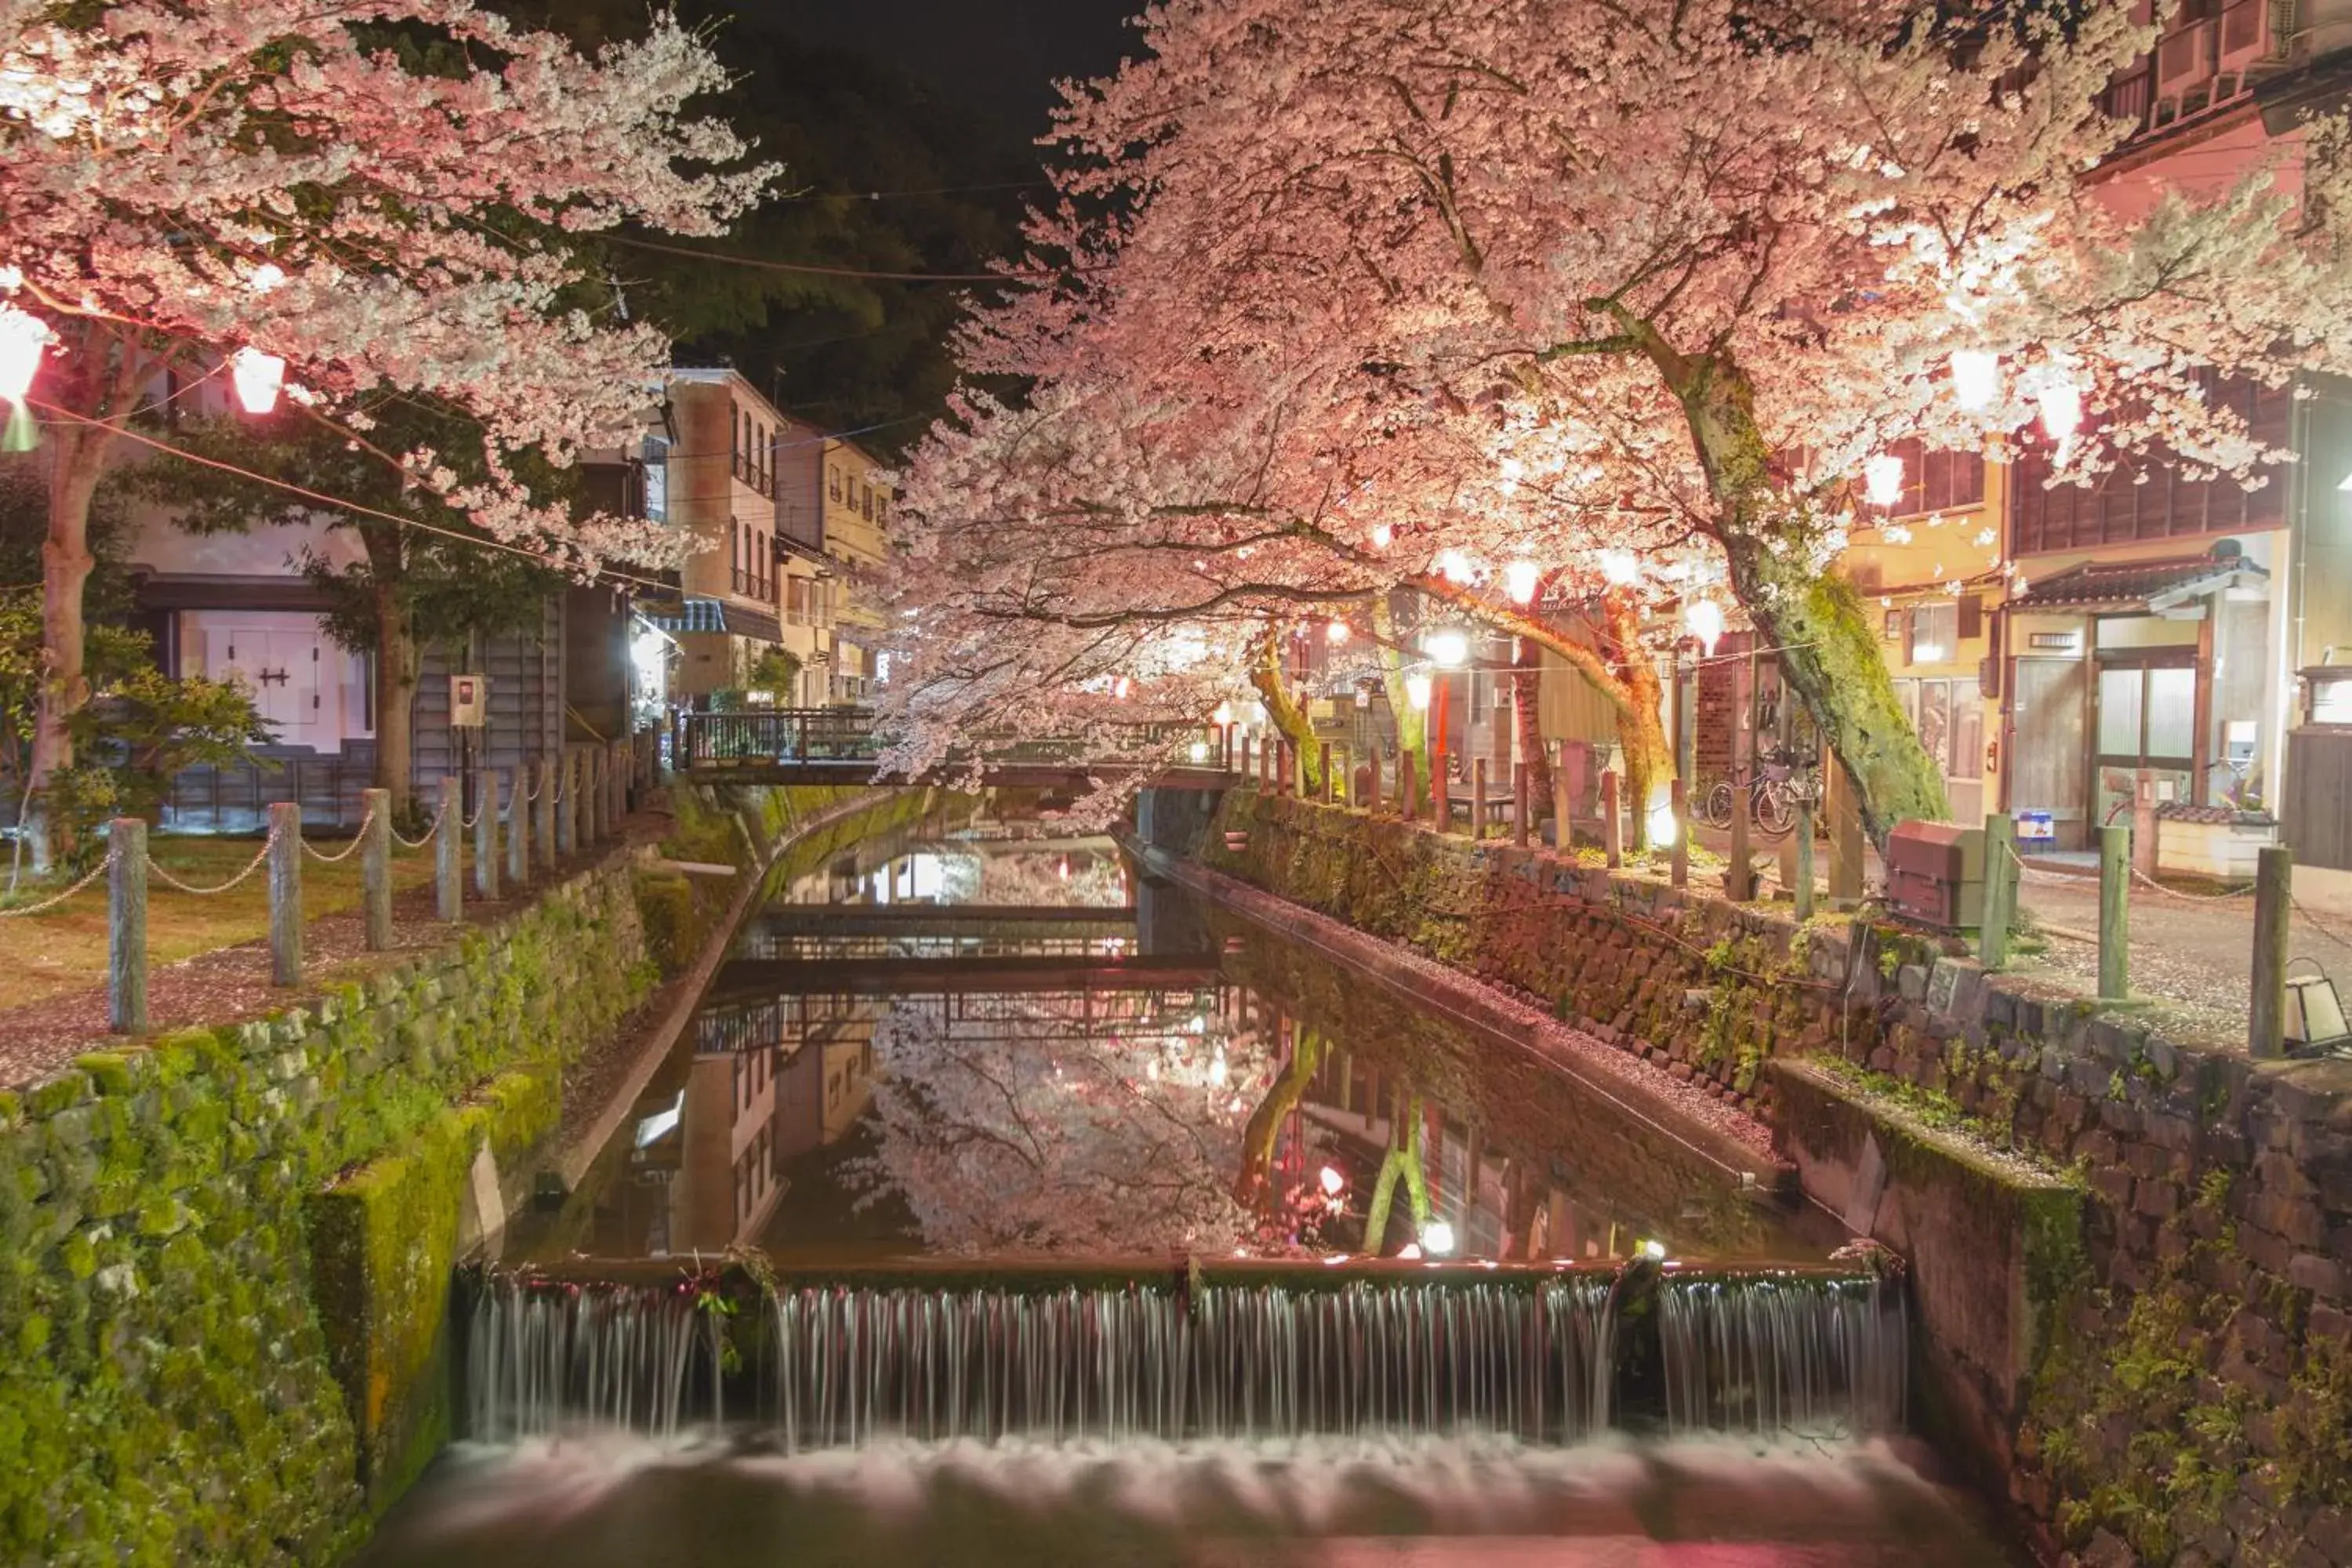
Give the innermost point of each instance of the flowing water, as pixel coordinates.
(1004, 1207)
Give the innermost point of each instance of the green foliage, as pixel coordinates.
(776, 671)
(139, 729)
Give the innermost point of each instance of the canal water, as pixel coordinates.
(1087, 1223)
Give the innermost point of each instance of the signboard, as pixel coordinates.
(469, 700)
(2036, 827)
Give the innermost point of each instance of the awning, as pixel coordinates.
(718, 616)
(2151, 587)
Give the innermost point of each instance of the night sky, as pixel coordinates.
(998, 56)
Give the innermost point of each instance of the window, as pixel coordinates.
(2148, 714)
(833, 484)
(868, 491)
(1950, 717)
(1935, 633)
(1938, 481)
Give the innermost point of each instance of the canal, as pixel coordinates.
(1005, 1204)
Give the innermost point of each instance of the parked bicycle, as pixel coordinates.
(1779, 784)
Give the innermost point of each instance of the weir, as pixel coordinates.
(1551, 1357)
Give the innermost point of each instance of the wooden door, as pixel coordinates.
(2048, 765)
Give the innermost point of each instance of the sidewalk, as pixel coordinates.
(2191, 954)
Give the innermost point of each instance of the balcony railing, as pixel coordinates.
(2201, 64)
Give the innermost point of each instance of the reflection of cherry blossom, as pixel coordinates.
(1016, 1133)
(1084, 878)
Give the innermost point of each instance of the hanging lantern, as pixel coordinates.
(1455, 566)
(1705, 620)
(1224, 714)
(1337, 634)
(1382, 535)
(1882, 479)
(1619, 567)
(259, 377)
(1448, 647)
(2062, 407)
(1976, 377)
(1120, 688)
(1520, 579)
(23, 336)
(1416, 692)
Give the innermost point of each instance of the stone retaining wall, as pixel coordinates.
(2187, 1391)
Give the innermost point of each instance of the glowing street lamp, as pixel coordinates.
(1519, 580)
(23, 336)
(1437, 1238)
(1882, 479)
(1449, 648)
(1382, 535)
(258, 378)
(1705, 620)
(1332, 1181)
(1455, 566)
(1337, 634)
(1619, 567)
(2062, 407)
(1976, 377)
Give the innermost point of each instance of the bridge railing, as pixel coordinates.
(849, 736)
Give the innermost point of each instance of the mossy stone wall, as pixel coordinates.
(2191, 1400)
(170, 1272)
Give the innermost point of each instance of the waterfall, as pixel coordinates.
(1539, 1357)
(839, 1364)
(1769, 1353)
(542, 1357)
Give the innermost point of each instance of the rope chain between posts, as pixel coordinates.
(2060, 879)
(250, 867)
(348, 850)
(2317, 924)
(421, 841)
(56, 899)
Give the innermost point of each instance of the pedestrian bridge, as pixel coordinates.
(843, 745)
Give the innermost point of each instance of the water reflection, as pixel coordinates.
(1016, 1047)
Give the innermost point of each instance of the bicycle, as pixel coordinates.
(1777, 786)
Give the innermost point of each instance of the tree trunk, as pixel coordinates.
(1282, 709)
(1627, 680)
(1281, 1098)
(1649, 754)
(1411, 724)
(76, 463)
(1526, 720)
(397, 679)
(1828, 651)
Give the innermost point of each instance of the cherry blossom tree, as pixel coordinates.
(1028, 1132)
(357, 196)
(1687, 267)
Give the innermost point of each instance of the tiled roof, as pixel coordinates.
(2131, 585)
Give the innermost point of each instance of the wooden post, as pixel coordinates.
(486, 835)
(1441, 791)
(1519, 804)
(2000, 889)
(1323, 761)
(2115, 912)
(544, 809)
(1678, 806)
(375, 869)
(1249, 759)
(286, 893)
(126, 927)
(1613, 821)
(567, 801)
(1408, 786)
(616, 792)
(2143, 823)
(1740, 881)
(2274, 895)
(1804, 878)
(1479, 797)
(517, 827)
(1846, 848)
(448, 854)
(1372, 783)
(1563, 805)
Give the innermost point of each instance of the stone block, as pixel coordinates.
(2322, 1276)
